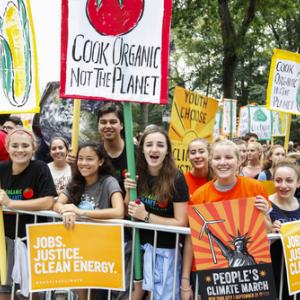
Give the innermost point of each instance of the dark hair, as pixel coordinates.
(249, 135)
(165, 188)
(77, 185)
(61, 139)
(110, 107)
(16, 120)
(4, 118)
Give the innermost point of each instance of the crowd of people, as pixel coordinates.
(95, 184)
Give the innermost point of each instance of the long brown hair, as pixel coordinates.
(165, 187)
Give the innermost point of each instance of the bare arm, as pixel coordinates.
(59, 204)
(116, 212)
(42, 203)
(139, 212)
(186, 291)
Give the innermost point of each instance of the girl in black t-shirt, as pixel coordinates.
(163, 196)
(25, 184)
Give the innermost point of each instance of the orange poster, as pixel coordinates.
(290, 236)
(231, 250)
(192, 116)
(89, 256)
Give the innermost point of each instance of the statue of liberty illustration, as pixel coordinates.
(236, 253)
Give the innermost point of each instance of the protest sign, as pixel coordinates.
(19, 91)
(261, 122)
(118, 51)
(279, 122)
(244, 121)
(90, 255)
(192, 116)
(283, 92)
(231, 250)
(218, 123)
(257, 119)
(229, 117)
(290, 236)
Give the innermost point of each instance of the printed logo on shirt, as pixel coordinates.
(19, 194)
(87, 202)
(150, 202)
(28, 193)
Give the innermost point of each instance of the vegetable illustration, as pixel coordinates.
(114, 17)
(260, 116)
(15, 53)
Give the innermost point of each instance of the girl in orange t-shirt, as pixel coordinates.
(198, 152)
(225, 162)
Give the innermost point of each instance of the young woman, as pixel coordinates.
(163, 195)
(92, 192)
(25, 184)
(227, 185)
(253, 166)
(242, 145)
(274, 156)
(198, 152)
(285, 208)
(59, 168)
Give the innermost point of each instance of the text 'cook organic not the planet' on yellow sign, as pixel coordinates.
(90, 255)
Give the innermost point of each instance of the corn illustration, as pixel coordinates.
(15, 53)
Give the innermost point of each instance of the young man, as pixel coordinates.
(110, 126)
(12, 123)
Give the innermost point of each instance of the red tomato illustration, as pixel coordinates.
(114, 17)
(28, 193)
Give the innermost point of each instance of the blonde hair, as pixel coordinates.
(20, 130)
(226, 142)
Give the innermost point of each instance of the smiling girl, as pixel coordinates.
(285, 208)
(198, 152)
(163, 195)
(25, 184)
(92, 192)
(253, 166)
(59, 168)
(227, 185)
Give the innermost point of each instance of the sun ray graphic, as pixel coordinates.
(226, 220)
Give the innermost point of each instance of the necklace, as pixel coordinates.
(224, 188)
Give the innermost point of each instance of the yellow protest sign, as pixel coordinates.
(90, 255)
(192, 116)
(269, 186)
(283, 93)
(3, 266)
(290, 236)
